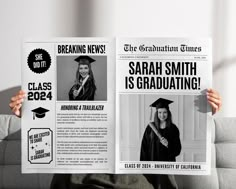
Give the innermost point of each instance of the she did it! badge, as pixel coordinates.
(39, 61)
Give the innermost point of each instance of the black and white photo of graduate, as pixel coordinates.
(161, 142)
(84, 87)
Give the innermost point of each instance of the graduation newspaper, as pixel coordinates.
(124, 105)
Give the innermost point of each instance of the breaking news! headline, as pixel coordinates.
(81, 49)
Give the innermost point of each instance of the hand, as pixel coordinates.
(16, 103)
(164, 141)
(75, 93)
(214, 100)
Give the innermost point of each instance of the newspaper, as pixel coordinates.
(125, 105)
(175, 69)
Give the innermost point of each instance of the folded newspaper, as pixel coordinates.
(124, 105)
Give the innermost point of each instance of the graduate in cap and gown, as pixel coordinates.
(161, 142)
(84, 87)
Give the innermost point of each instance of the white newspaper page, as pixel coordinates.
(162, 112)
(68, 115)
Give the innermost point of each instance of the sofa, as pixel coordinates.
(223, 159)
(10, 158)
(223, 172)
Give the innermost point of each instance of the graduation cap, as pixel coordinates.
(160, 103)
(39, 112)
(84, 60)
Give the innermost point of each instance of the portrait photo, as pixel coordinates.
(81, 78)
(163, 128)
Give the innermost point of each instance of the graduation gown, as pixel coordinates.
(87, 92)
(153, 150)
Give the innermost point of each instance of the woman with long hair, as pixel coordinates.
(84, 87)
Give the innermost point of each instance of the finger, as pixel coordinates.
(15, 103)
(217, 102)
(17, 113)
(214, 107)
(17, 97)
(164, 139)
(16, 109)
(21, 92)
(14, 98)
(163, 143)
(214, 100)
(213, 95)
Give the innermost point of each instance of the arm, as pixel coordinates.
(16, 103)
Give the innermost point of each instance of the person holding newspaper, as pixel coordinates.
(105, 181)
(84, 87)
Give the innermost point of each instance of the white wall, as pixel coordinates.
(185, 18)
(38, 19)
(224, 54)
(164, 18)
(19, 19)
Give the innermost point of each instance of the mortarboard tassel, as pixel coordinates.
(150, 118)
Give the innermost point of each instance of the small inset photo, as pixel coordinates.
(81, 78)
